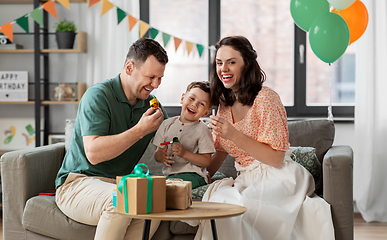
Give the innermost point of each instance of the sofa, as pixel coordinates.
(26, 173)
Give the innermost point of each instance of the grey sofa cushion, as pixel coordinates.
(312, 133)
(43, 211)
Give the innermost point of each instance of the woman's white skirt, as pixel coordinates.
(280, 203)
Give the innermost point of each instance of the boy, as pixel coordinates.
(188, 158)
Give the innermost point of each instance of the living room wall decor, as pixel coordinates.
(49, 6)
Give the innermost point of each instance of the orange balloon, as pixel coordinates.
(356, 17)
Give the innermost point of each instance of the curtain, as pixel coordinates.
(370, 164)
(108, 42)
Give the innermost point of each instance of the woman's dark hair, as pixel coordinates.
(143, 48)
(252, 76)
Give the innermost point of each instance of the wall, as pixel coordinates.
(345, 134)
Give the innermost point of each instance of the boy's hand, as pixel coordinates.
(163, 156)
(178, 149)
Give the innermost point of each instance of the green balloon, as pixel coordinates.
(304, 12)
(329, 37)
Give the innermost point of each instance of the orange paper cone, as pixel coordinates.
(189, 46)
(106, 6)
(132, 21)
(177, 42)
(92, 2)
(143, 28)
(65, 3)
(50, 8)
(7, 29)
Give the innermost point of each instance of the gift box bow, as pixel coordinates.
(138, 173)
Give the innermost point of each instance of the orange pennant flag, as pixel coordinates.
(7, 29)
(92, 2)
(132, 21)
(106, 6)
(189, 46)
(143, 28)
(65, 3)
(50, 8)
(177, 42)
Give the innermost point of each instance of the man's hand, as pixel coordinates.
(151, 122)
(161, 155)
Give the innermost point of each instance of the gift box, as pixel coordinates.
(136, 199)
(179, 194)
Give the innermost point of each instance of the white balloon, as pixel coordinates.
(341, 4)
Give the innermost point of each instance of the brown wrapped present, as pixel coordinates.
(179, 194)
(136, 200)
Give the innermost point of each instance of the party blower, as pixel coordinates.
(175, 139)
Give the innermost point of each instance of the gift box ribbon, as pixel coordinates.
(138, 172)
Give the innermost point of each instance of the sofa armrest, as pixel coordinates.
(24, 174)
(338, 189)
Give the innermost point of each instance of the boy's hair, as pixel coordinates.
(143, 48)
(203, 85)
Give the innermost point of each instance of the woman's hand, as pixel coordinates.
(222, 128)
(161, 155)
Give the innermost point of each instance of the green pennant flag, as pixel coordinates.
(120, 15)
(200, 49)
(23, 23)
(166, 38)
(37, 16)
(153, 32)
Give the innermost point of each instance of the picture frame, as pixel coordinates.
(56, 138)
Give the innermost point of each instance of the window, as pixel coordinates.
(187, 20)
(303, 81)
(269, 26)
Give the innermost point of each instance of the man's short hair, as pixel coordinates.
(143, 48)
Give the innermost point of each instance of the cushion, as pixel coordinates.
(306, 157)
(41, 215)
(197, 193)
(312, 133)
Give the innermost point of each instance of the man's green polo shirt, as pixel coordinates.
(104, 110)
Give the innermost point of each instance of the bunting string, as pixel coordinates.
(106, 6)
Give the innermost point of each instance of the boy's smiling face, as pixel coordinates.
(195, 104)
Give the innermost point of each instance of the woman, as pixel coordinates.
(251, 126)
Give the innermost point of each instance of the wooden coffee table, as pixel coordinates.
(198, 211)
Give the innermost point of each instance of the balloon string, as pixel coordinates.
(330, 114)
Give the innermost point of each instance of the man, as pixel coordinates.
(112, 130)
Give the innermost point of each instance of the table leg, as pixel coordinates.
(145, 233)
(213, 228)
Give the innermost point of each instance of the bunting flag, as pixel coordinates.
(143, 28)
(50, 8)
(37, 15)
(23, 23)
(120, 15)
(106, 6)
(166, 38)
(153, 32)
(7, 29)
(189, 46)
(132, 21)
(177, 42)
(92, 2)
(200, 49)
(65, 3)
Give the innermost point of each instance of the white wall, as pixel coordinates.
(345, 134)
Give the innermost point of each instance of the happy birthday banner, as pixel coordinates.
(49, 6)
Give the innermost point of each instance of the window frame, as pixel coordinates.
(300, 108)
